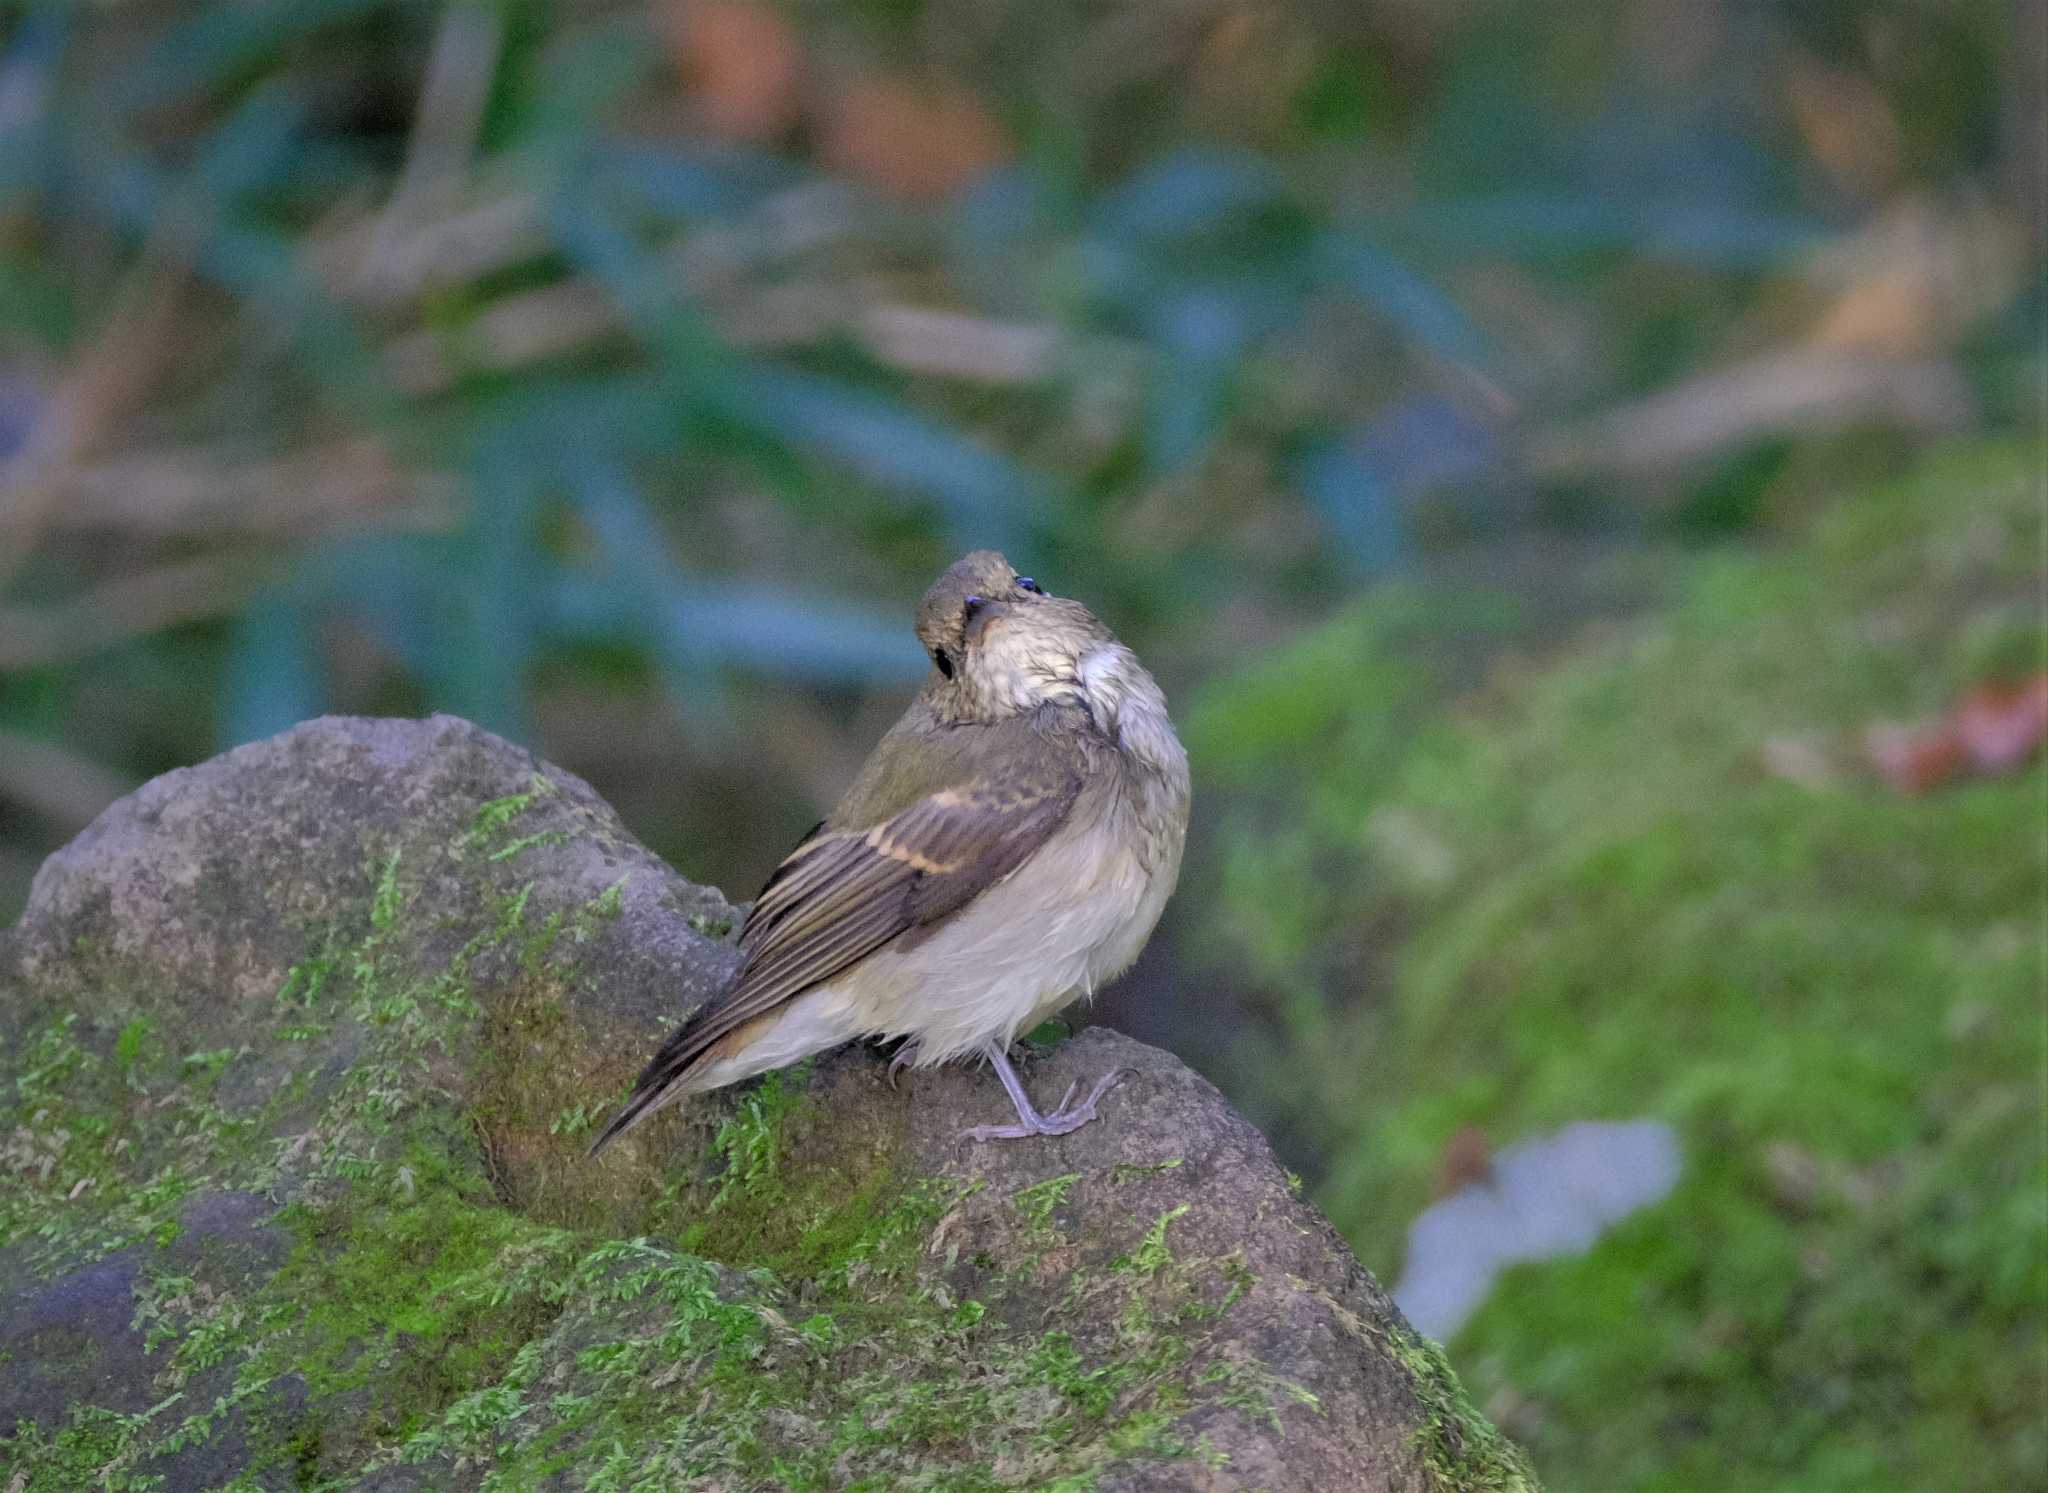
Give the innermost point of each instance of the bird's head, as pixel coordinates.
(999, 643)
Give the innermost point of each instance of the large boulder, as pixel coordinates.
(303, 1047)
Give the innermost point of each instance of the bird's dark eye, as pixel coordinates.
(1025, 583)
(945, 664)
(972, 605)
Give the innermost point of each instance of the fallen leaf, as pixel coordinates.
(1912, 282)
(1994, 729)
(1891, 314)
(1467, 1158)
(2001, 725)
(915, 140)
(1913, 759)
(1847, 124)
(743, 64)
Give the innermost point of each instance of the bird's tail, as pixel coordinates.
(663, 1080)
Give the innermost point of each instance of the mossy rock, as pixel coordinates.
(303, 1049)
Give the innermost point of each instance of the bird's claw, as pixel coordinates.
(1068, 1118)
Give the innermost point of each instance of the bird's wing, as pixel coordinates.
(842, 894)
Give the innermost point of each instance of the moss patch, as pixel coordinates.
(1581, 893)
(1459, 1446)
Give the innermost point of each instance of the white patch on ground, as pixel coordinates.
(1546, 1198)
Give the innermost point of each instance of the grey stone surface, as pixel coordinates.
(320, 1027)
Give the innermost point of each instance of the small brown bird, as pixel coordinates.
(1005, 851)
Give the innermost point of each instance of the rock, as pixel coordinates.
(83, 1335)
(304, 1046)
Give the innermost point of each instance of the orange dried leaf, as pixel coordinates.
(743, 63)
(913, 140)
(2000, 726)
(1848, 125)
(1467, 1158)
(1994, 729)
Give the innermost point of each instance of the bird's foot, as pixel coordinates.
(905, 1055)
(1068, 1118)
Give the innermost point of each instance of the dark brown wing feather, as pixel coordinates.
(842, 894)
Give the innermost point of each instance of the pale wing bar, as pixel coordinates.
(841, 895)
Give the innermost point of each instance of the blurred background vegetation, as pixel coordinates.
(1538, 447)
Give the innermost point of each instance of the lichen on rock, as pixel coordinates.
(304, 1046)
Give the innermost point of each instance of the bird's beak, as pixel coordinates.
(987, 612)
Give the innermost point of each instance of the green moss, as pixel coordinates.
(529, 842)
(1037, 1202)
(108, 1131)
(750, 1143)
(96, 1448)
(882, 1374)
(493, 816)
(129, 1045)
(1459, 1446)
(1582, 893)
(412, 1254)
(770, 1204)
(1151, 1253)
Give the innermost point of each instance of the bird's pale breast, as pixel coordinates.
(1073, 916)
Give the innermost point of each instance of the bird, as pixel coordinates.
(1007, 849)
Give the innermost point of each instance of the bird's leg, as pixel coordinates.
(1067, 1118)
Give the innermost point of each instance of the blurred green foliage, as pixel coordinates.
(1584, 893)
(566, 363)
